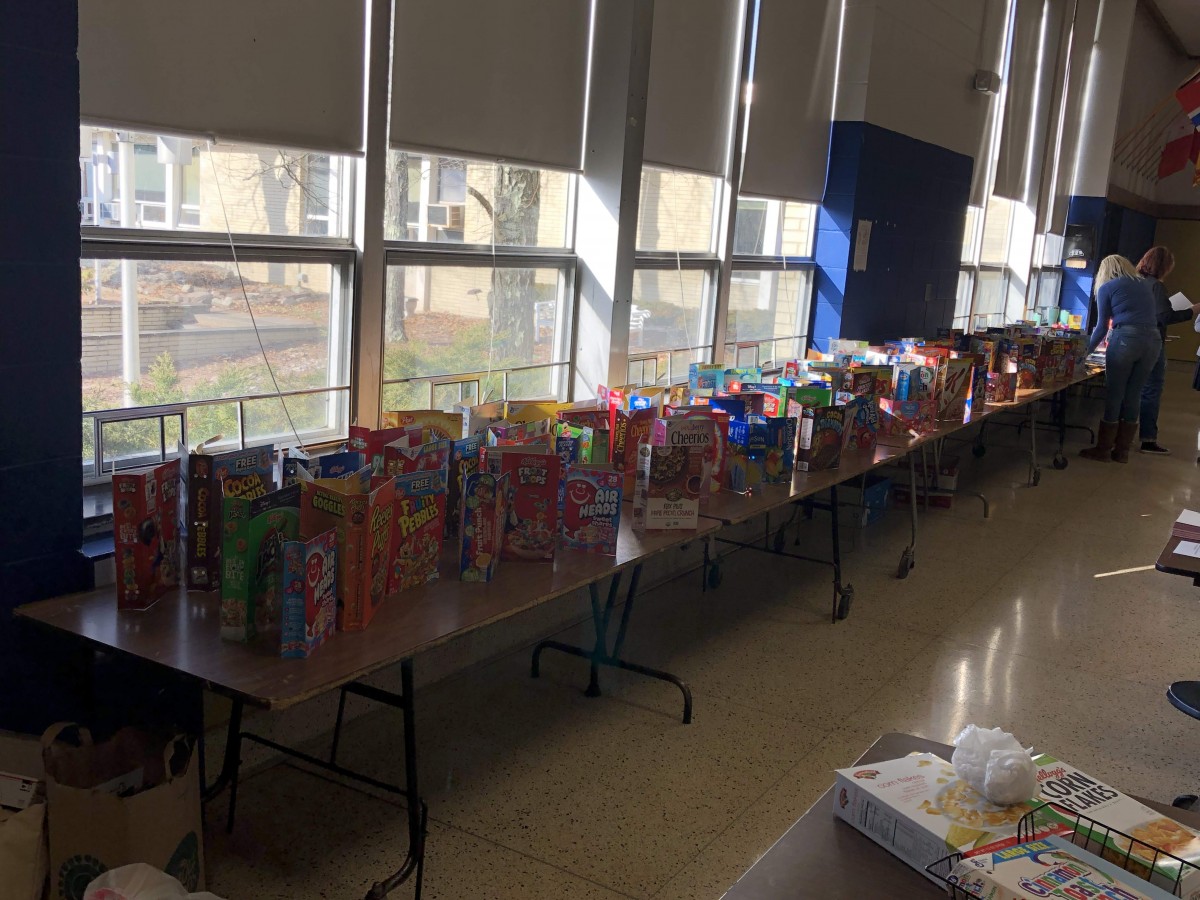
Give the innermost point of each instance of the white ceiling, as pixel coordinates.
(1184, 18)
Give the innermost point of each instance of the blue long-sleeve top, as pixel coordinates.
(1126, 301)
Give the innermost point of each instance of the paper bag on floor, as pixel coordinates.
(23, 852)
(133, 798)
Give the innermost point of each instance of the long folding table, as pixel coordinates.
(180, 636)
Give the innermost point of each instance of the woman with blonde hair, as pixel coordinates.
(1125, 304)
(1155, 266)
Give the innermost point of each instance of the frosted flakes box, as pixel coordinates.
(1049, 867)
(1071, 792)
(917, 808)
(591, 515)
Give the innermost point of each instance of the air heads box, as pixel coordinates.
(309, 594)
(591, 514)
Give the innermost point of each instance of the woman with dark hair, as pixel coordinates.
(1154, 267)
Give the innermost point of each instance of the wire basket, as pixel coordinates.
(1135, 856)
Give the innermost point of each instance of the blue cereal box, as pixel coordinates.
(309, 594)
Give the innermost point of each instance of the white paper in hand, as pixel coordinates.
(1179, 302)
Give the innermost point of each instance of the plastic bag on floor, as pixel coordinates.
(140, 882)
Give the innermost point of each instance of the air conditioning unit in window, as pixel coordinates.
(456, 216)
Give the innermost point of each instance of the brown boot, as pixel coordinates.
(1105, 436)
(1126, 432)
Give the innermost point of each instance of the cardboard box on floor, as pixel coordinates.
(24, 861)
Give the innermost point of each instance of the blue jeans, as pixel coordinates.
(1132, 352)
(1152, 396)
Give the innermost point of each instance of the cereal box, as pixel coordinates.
(757, 454)
(430, 456)
(1049, 867)
(704, 377)
(1071, 792)
(819, 444)
(506, 433)
(917, 808)
(531, 532)
(572, 443)
(483, 512)
(720, 447)
(418, 526)
(145, 534)
(591, 515)
(252, 562)
(476, 419)
(862, 423)
(1001, 387)
(732, 378)
(597, 420)
(672, 476)
(372, 443)
(906, 417)
(954, 402)
(443, 425)
(210, 478)
(309, 594)
(336, 465)
(464, 462)
(631, 429)
(808, 395)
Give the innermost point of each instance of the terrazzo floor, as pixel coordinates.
(1046, 619)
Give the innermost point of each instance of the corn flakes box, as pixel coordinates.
(591, 514)
(1071, 793)
(1050, 867)
(418, 526)
(917, 808)
(483, 511)
(531, 531)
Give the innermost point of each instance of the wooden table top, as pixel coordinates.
(822, 856)
(1176, 564)
(181, 631)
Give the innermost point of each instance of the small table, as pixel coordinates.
(1183, 695)
(821, 856)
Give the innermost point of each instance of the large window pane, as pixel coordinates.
(773, 228)
(996, 228)
(769, 309)
(457, 333)
(454, 201)
(962, 299)
(972, 234)
(186, 184)
(676, 211)
(672, 310)
(991, 295)
(195, 337)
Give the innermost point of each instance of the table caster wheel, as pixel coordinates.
(978, 450)
(1037, 477)
(714, 576)
(1060, 462)
(780, 540)
(907, 563)
(847, 598)
(1186, 801)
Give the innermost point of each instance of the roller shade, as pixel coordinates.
(1029, 96)
(284, 73)
(787, 135)
(497, 79)
(1083, 41)
(993, 46)
(694, 59)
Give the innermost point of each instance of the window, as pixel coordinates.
(179, 183)
(670, 322)
(997, 228)
(768, 316)
(475, 333)
(171, 325)
(962, 299)
(678, 211)
(774, 228)
(440, 199)
(972, 236)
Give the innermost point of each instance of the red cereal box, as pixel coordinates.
(145, 533)
(418, 526)
(591, 514)
(426, 456)
(532, 529)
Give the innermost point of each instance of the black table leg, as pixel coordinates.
(599, 654)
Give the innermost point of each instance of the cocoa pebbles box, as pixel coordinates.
(673, 473)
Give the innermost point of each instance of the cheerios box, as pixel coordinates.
(673, 474)
(1111, 818)
(917, 808)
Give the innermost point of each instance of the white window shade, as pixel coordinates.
(1029, 98)
(694, 58)
(284, 73)
(1083, 40)
(491, 79)
(795, 62)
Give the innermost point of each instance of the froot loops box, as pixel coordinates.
(531, 532)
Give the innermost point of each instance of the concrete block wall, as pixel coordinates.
(40, 440)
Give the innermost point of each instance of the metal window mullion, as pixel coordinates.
(151, 250)
(99, 234)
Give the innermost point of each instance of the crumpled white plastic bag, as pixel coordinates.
(992, 762)
(140, 882)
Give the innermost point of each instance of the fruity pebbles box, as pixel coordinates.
(591, 515)
(418, 526)
(917, 808)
